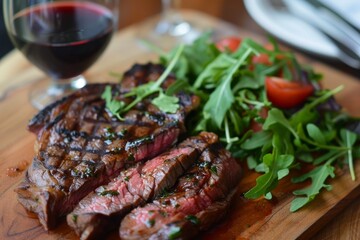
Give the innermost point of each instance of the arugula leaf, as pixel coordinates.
(315, 144)
(318, 176)
(331, 155)
(276, 167)
(214, 71)
(275, 116)
(178, 85)
(257, 140)
(251, 162)
(195, 58)
(221, 98)
(349, 139)
(145, 90)
(165, 103)
(307, 113)
(236, 121)
(315, 133)
(114, 106)
(248, 82)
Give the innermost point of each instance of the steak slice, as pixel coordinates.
(102, 210)
(198, 200)
(81, 146)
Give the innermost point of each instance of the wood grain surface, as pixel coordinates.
(258, 219)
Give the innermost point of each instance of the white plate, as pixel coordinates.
(288, 28)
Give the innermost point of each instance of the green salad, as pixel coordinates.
(267, 108)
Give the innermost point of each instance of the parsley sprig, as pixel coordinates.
(164, 102)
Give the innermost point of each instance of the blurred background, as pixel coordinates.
(5, 44)
(133, 11)
(270, 14)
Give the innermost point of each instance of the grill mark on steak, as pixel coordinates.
(80, 146)
(102, 210)
(188, 226)
(198, 200)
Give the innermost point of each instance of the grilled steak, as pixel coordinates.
(81, 146)
(102, 210)
(199, 199)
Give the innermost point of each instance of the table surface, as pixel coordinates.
(14, 66)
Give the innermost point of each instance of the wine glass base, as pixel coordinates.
(44, 93)
(167, 35)
(164, 34)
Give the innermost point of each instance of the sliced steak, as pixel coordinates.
(198, 200)
(81, 146)
(102, 210)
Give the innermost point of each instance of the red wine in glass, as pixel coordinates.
(68, 44)
(62, 38)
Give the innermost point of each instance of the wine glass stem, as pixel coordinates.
(64, 86)
(170, 5)
(172, 23)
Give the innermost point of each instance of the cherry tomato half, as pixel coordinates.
(262, 58)
(228, 43)
(287, 94)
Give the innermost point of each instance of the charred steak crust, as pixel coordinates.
(198, 200)
(81, 146)
(102, 210)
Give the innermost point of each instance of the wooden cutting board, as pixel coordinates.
(248, 219)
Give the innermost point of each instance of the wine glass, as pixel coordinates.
(171, 29)
(62, 38)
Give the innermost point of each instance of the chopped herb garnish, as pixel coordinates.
(116, 150)
(89, 171)
(109, 193)
(131, 157)
(164, 193)
(126, 179)
(193, 219)
(150, 223)
(122, 133)
(165, 203)
(74, 217)
(174, 232)
(205, 164)
(163, 213)
(109, 134)
(190, 176)
(156, 117)
(139, 142)
(213, 169)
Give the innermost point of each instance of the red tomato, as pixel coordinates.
(229, 43)
(262, 58)
(286, 94)
(269, 46)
